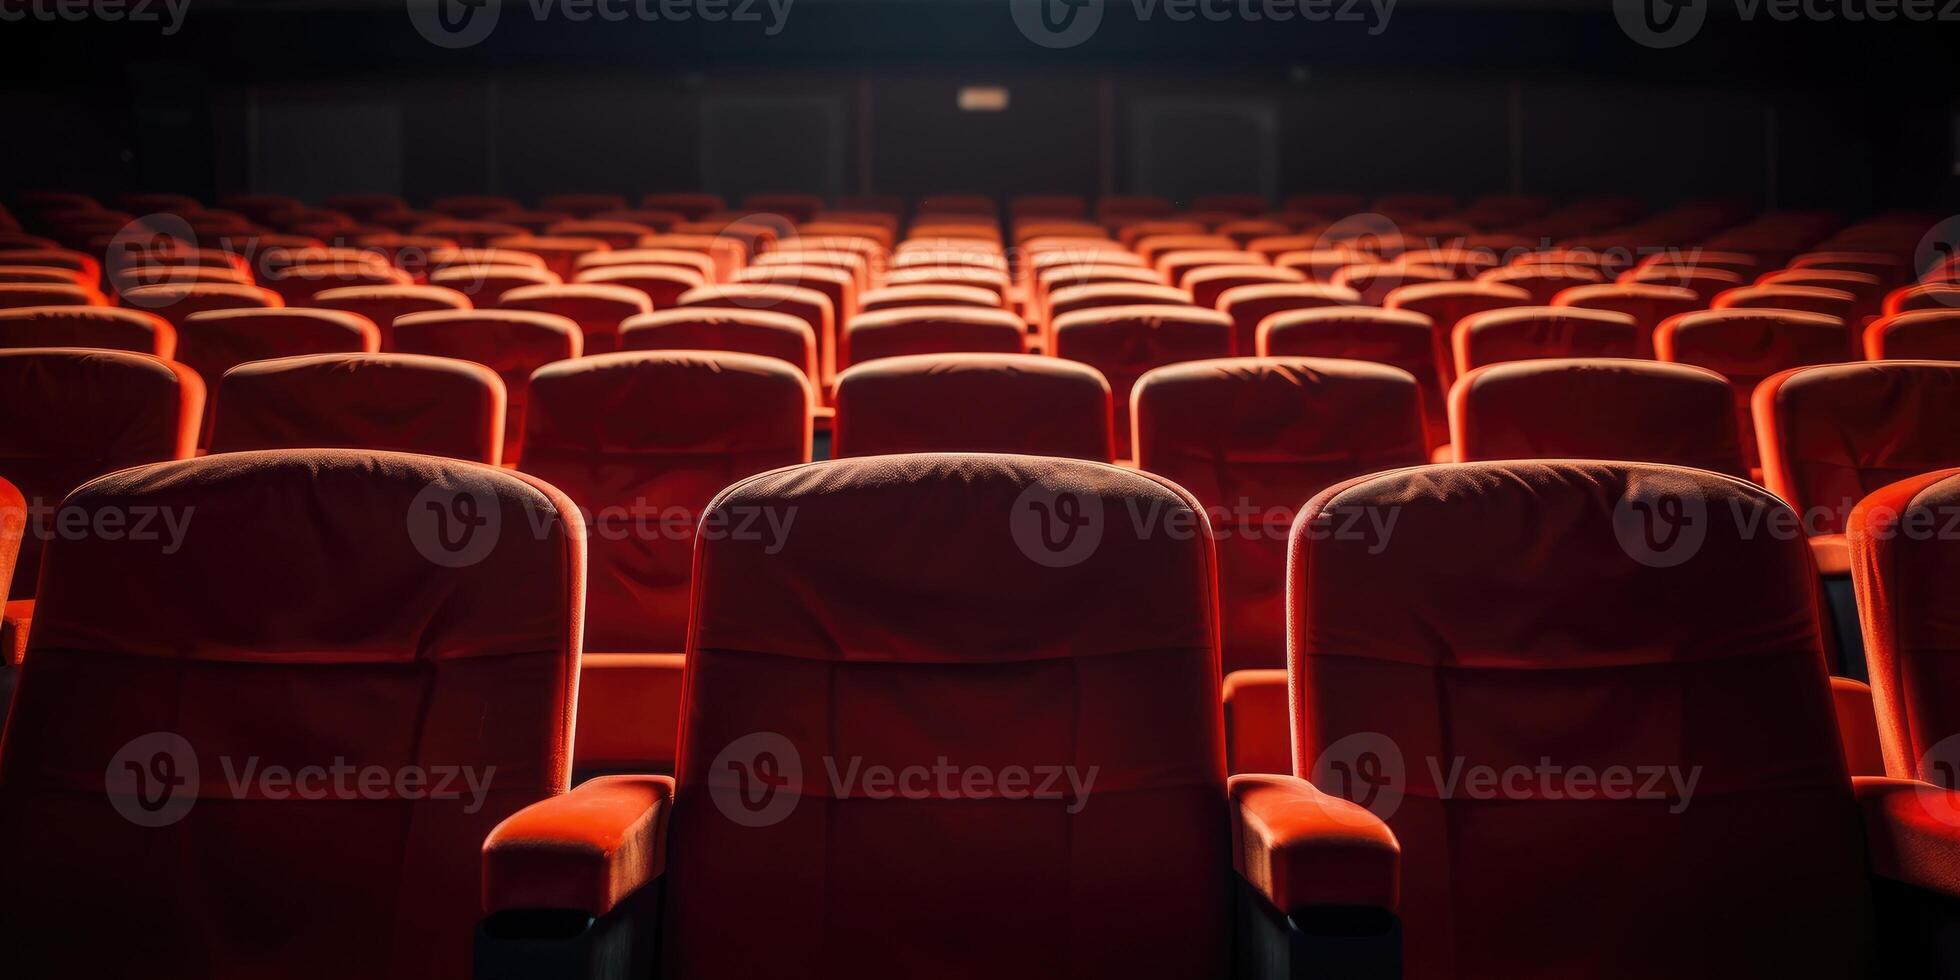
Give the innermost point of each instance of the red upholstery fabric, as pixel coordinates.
(1258, 730)
(597, 309)
(1857, 723)
(75, 414)
(586, 850)
(1094, 296)
(859, 644)
(584, 205)
(1446, 303)
(670, 257)
(931, 330)
(1931, 335)
(1375, 280)
(1543, 282)
(766, 333)
(382, 305)
(1705, 282)
(1904, 566)
(108, 328)
(1746, 346)
(1123, 342)
(1808, 299)
(299, 285)
(1831, 434)
(836, 284)
(512, 343)
(663, 284)
(1924, 296)
(262, 637)
(1597, 408)
(808, 305)
(13, 527)
(410, 403)
(1532, 332)
(927, 294)
(177, 302)
(1017, 403)
(1254, 438)
(484, 284)
(641, 441)
(1649, 305)
(1402, 338)
(1250, 305)
(1866, 288)
(1911, 834)
(1302, 848)
(1509, 623)
(215, 341)
(23, 295)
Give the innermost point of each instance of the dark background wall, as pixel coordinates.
(855, 97)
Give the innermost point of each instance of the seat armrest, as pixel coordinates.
(1857, 726)
(585, 850)
(1303, 849)
(1912, 832)
(1832, 552)
(1258, 728)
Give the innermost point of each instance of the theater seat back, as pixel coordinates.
(763, 332)
(108, 328)
(1531, 332)
(409, 403)
(1832, 433)
(1402, 338)
(1525, 619)
(1746, 346)
(1018, 403)
(512, 343)
(932, 330)
(642, 440)
(314, 614)
(1123, 342)
(1255, 437)
(860, 645)
(1597, 408)
(73, 415)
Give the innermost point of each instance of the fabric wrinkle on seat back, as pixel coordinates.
(1831, 434)
(1254, 438)
(597, 309)
(1010, 403)
(1931, 334)
(311, 620)
(642, 440)
(74, 414)
(808, 305)
(512, 343)
(437, 406)
(858, 645)
(1525, 619)
(1597, 408)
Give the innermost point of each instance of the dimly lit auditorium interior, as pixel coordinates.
(955, 489)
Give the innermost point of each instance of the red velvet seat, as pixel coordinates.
(692, 204)
(1016, 403)
(1647, 304)
(765, 333)
(1833, 433)
(1251, 305)
(215, 341)
(1932, 334)
(1543, 282)
(1375, 280)
(1903, 566)
(857, 640)
(235, 680)
(1123, 342)
(86, 266)
(22, 295)
(837, 285)
(1746, 346)
(1597, 408)
(512, 343)
(1527, 619)
(108, 328)
(808, 305)
(1400, 338)
(39, 275)
(382, 305)
(409, 403)
(176, 302)
(298, 285)
(1869, 290)
(1805, 299)
(74, 414)
(1447, 303)
(928, 294)
(1252, 439)
(695, 262)
(560, 254)
(1529, 332)
(485, 284)
(597, 309)
(663, 284)
(931, 330)
(641, 441)
(582, 204)
(1705, 282)
(1923, 296)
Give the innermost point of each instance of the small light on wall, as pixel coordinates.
(983, 98)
